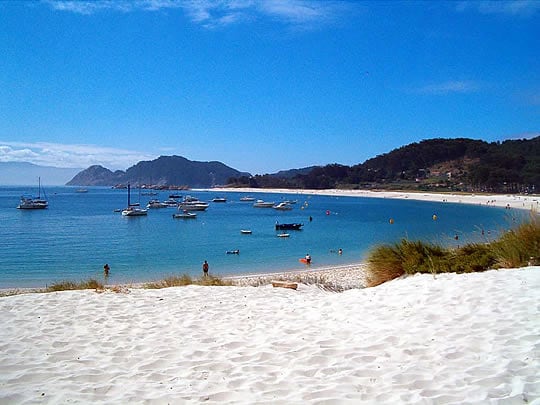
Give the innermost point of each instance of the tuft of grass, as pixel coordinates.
(90, 284)
(183, 280)
(172, 281)
(515, 248)
(212, 280)
(384, 264)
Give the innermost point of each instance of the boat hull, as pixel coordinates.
(289, 227)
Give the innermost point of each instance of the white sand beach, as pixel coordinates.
(449, 339)
(527, 202)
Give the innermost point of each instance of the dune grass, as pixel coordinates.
(90, 284)
(514, 248)
(183, 280)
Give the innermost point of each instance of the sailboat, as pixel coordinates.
(133, 210)
(33, 203)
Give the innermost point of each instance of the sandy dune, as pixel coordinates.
(451, 339)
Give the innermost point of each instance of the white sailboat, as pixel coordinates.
(33, 203)
(133, 210)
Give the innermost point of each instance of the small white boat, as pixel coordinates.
(32, 203)
(156, 204)
(219, 199)
(245, 231)
(263, 204)
(283, 235)
(133, 210)
(247, 198)
(28, 203)
(81, 190)
(185, 215)
(283, 206)
(171, 202)
(193, 206)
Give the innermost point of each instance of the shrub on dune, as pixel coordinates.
(384, 264)
(172, 281)
(183, 280)
(514, 248)
(70, 285)
(517, 246)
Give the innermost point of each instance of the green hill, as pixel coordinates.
(435, 164)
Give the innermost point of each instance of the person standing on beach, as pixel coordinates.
(205, 268)
(106, 269)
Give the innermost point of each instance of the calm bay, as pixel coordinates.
(80, 232)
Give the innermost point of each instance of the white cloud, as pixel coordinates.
(522, 8)
(449, 87)
(216, 13)
(70, 156)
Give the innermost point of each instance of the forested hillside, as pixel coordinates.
(436, 164)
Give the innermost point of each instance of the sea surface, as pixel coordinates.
(80, 232)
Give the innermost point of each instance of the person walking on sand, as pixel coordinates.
(205, 268)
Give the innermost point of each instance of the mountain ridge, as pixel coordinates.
(162, 171)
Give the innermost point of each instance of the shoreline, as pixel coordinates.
(334, 278)
(330, 274)
(509, 201)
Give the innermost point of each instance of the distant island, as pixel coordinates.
(164, 171)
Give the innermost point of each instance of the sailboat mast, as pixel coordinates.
(129, 196)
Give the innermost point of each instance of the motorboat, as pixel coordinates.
(185, 215)
(246, 231)
(193, 206)
(219, 199)
(286, 227)
(171, 202)
(156, 204)
(263, 204)
(283, 206)
(33, 203)
(283, 235)
(247, 198)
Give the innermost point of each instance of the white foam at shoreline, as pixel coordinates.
(471, 338)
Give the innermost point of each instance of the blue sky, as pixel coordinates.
(261, 85)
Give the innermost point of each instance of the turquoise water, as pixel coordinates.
(80, 232)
